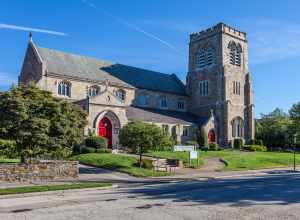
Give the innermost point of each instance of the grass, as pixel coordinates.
(125, 164)
(183, 156)
(7, 160)
(237, 160)
(45, 188)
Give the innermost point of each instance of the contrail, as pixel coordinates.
(21, 28)
(133, 27)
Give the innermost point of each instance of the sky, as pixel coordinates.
(154, 34)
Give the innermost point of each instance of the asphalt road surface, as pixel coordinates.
(264, 197)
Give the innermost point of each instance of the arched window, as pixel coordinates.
(64, 89)
(121, 94)
(237, 127)
(203, 87)
(93, 91)
(205, 57)
(235, 53)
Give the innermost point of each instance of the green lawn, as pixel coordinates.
(238, 160)
(6, 160)
(126, 164)
(45, 188)
(183, 156)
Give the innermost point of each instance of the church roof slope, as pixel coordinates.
(134, 113)
(88, 68)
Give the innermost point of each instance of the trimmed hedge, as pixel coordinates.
(96, 142)
(213, 146)
(255, 148)
(238, 143)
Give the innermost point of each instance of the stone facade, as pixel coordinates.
(222, 74)
(39, 171)
(216, 111)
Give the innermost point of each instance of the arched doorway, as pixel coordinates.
(211, 136)
(105, 130)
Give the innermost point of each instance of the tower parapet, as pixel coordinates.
(221, 27)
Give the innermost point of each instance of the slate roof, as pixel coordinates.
(162, 116)
(88, 68)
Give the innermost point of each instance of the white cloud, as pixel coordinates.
(21, 28)
(7, 79)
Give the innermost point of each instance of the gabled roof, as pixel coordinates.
(134, 113)
(88, 68)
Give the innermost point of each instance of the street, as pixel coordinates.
(263, 197)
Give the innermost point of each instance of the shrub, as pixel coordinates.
(146, 163)
(87, 150)
(204, 148)
(201, 137)
(96, 142)
(238, 143)
(8, 148)
(213, 146)
(255, 148)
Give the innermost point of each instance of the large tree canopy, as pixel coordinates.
(40, 124)
(274, 129)
(141, 137)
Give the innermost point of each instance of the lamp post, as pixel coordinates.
(295, 142)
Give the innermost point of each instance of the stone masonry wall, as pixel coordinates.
(39, 171)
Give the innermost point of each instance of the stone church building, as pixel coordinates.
(217, 95)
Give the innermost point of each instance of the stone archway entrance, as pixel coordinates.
(211, 136)
(105, 130)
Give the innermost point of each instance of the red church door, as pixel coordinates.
(105, 130)
(211, 136)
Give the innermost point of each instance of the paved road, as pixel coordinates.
(263, 197)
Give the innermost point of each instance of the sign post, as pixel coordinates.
(193, 155)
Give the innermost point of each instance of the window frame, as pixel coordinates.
(64, 89)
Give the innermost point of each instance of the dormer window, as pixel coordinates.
(64, 89)
(93, 91)
(121, 95)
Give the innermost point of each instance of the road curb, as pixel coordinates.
(56, 192)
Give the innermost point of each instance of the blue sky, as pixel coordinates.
(154, 34)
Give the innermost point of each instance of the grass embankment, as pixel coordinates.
(125, 164)
(238, 160)
(46, 188)
(7, 160)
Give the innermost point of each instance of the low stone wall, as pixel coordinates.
(42, 170)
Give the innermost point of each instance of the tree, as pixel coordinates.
(201, 137)
(40, 124)
(273, 129)
(295, 122)
(141, 137)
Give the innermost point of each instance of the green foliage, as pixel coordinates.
(96, 142)
(41, 125)
(254, 147)
(213, 146)
(274, 129)
(238, 143)
(295, 124)
(146, 163)
(141, 137)
(202, 138)
(8, 148)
